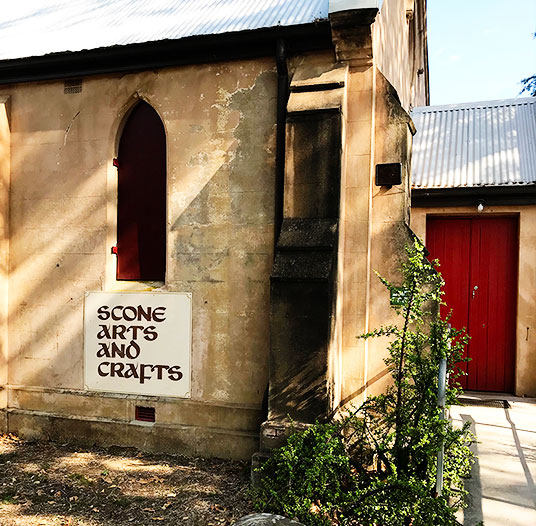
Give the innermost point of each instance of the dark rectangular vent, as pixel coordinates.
(145, 414)
(72, 86)
(388, 174)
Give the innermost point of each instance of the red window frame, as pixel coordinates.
(141, 197)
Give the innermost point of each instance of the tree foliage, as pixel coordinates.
(377, 464)
(529, 84)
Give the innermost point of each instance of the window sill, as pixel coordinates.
(137, 286)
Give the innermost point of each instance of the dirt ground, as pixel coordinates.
(48, 484)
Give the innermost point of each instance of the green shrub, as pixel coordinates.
(376, 466)
(309, 477)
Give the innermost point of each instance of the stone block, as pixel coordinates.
(252, 208)
(310, 200)
(356, 240)
(360, 79)
(199, 266)
(353, 364)
(250, 267)
(249, 296)
(359, 106)
(254, 239)
(3, 421)
(266, 519)
(357, 204)
(257, 460)
(313, 298)
(354, 298)
(69, 404)
(51, 276)
(201, 239)
(299, 265)
(315, 167)
(40, 138)
(60, 212)
(198, 207)
(353, 326)
(308, 234)
(358, 135)
(75, 240)
(310, 131)
(319, 71)
(315, 100)
(274, 434)
(358, 171)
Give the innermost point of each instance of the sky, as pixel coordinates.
(480, 49)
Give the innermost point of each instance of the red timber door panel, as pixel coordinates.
(141, 197)
(479, 259)
(449, 240)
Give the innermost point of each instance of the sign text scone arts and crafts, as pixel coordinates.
(138, 343)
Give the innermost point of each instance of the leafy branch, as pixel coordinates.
(376, 464)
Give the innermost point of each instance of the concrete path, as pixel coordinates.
(502, 488)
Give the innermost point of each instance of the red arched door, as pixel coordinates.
(141, 199)
(479, 258)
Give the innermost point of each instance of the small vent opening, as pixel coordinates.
(145, 414)
(72, 86)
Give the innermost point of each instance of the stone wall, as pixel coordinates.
(345, 116)
(5, 161)
(400, 49)
(220, 128)
(373, 227)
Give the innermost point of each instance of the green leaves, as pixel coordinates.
(308, 478)
(376, 465)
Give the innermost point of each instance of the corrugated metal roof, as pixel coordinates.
(38, 27)
(475, 144)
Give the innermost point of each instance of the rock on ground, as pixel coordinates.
(266, 519)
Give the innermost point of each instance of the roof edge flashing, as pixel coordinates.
(475, 105)
(336, 6)
(165, 53)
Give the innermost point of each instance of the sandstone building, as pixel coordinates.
(190, 213)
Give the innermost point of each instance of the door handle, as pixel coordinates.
(475, 288)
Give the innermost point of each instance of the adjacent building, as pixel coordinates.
(474, 202)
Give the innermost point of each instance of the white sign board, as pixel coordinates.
(138, 343)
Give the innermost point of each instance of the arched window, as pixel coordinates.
(141, 199)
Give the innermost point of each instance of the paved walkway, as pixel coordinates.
(502, 488)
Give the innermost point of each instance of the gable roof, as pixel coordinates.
(478, 144)
(31, 28)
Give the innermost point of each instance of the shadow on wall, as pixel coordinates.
(221, 249)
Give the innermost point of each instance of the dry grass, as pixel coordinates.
(47, 484)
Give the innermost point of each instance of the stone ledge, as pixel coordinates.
(156, 438)
(121, 408)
